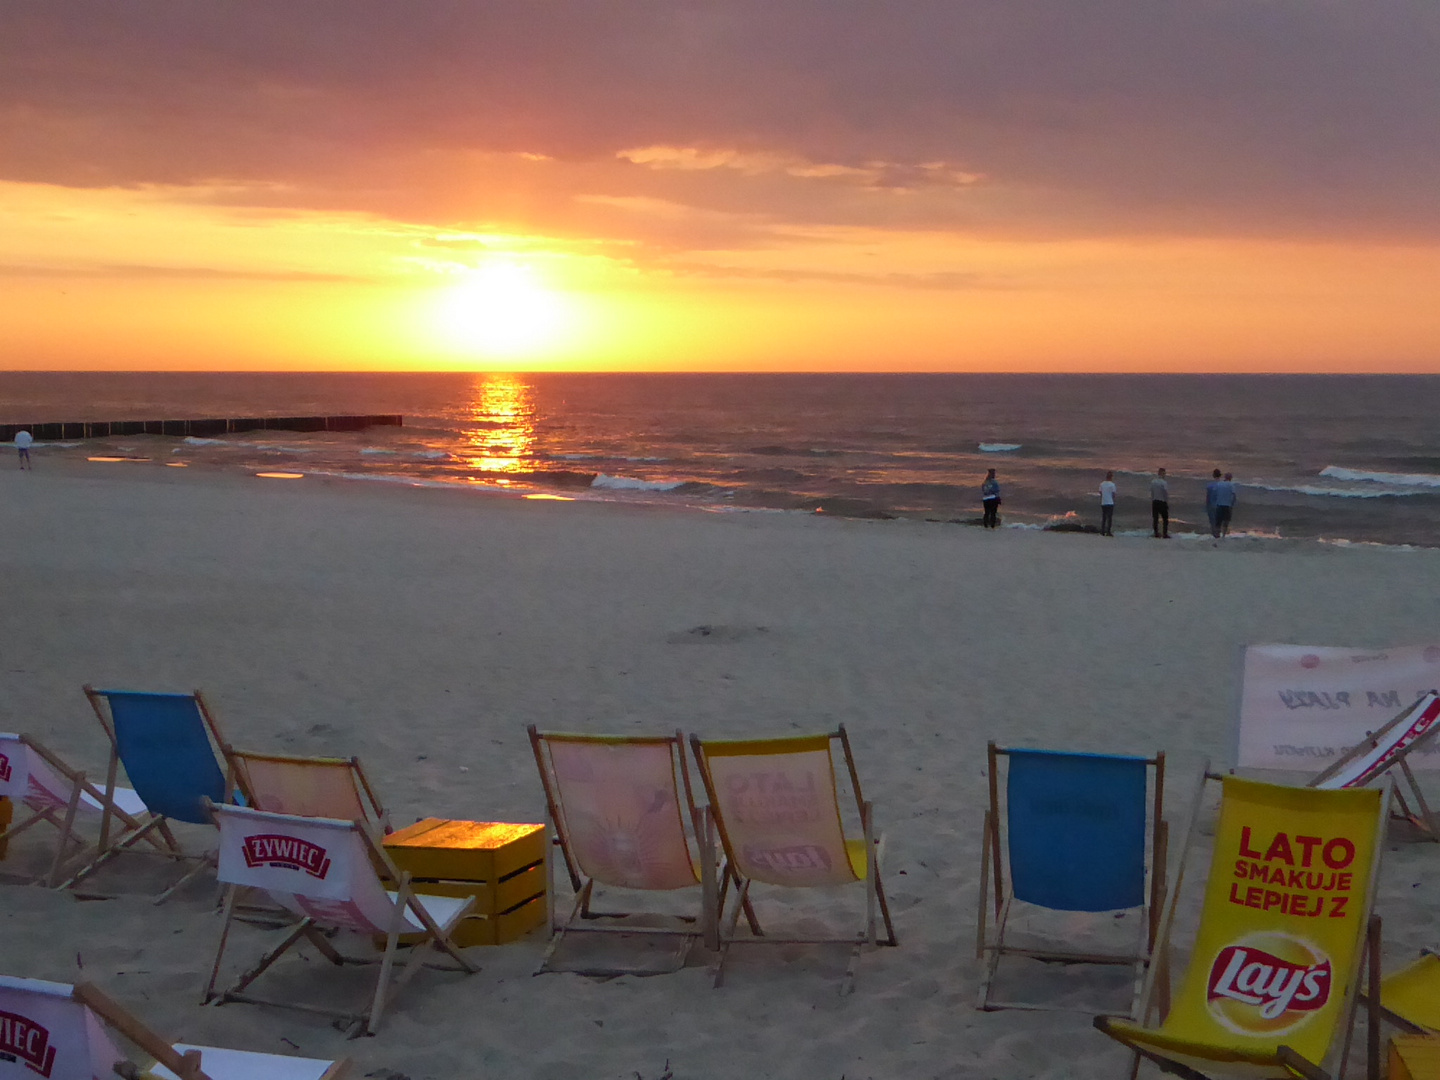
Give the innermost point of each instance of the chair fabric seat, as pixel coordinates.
(127, 801)
(221, 1064)
(445, 910)
(1414, 992)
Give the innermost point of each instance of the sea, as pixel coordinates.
(1340, 459)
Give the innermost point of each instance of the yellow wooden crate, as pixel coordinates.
(491, 897)
(1415, 1057)
(442, 850)
(501, 865)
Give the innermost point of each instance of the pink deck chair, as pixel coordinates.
(308, 786)
(324, 871)
(34, 777)
(776, 807)
(62, 1032)
(619, 807)
(1387, 749)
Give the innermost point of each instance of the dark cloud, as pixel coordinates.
(1209, 117)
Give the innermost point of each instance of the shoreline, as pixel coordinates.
(421, 632)
(622, 497)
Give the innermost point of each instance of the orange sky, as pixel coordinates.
(731, 186)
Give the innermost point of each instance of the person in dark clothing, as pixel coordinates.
(1160, 505)
(990, 500)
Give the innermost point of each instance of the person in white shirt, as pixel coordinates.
(1107, 505)
(1160, 505)
(23, 439)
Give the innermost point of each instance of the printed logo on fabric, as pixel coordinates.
(1267, 983)
(288, 852)
(23, 1040)
(4, 769)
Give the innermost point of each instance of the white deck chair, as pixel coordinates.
(323, 871)
(32, 776)
(1387, 749)
(59, 1032)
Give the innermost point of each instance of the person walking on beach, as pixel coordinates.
(1211, 491)
(23, 439)
(1160, 505)
(990, 500)
(1107, 505)
(1224, 505)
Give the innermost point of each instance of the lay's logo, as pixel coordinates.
(4, 769)
(1267, 984)
(21, 1039)
(288, 852)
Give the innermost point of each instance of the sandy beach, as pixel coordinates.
(423, 629)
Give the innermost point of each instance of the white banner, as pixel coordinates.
(1302, 706)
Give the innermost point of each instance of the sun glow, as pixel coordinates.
(503, 309)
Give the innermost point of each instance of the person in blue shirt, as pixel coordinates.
(1210, 504)
(1224, 505)
(990, 500)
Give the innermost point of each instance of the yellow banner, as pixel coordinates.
(1285, 908)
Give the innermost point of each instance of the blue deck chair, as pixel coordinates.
(168, 745)
(1074, 837)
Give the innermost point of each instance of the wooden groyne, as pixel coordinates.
(55, 431)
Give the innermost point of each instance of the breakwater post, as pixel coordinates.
(53, 431)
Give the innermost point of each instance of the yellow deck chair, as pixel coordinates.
(1410, 997)
(619, 806)
(776, 808)
(309, 786)
(1274, 975)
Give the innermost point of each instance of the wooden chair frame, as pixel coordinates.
(79, 787)
(993, 863)
(188, 1065)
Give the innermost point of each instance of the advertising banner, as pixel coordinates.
(1302, 706)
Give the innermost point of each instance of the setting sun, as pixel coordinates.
(503, 309)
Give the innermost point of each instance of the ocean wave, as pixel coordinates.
(1336, 472)
(780, 450)
(1335, 492)
(195, 440)
(432, 455)
(377, 450)
(630, 483)
(999, 447)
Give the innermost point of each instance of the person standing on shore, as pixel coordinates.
(23, 439)
(1107, 505)
(1211, 491)
(990, 500)
(1224, 505)
(1160, 505)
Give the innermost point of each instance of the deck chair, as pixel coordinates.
(1284, 935)
(1387, 749)
(63, 1032)
(167, 743)
(54, 793)
(308, 786)
(1410, 997)
(323, 871)
(776, 808)
(619, 806)
(1073, 837)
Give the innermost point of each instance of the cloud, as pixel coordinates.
(1032, 118)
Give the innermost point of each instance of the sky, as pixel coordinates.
(1023, 185)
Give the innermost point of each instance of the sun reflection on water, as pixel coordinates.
(502, 411)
